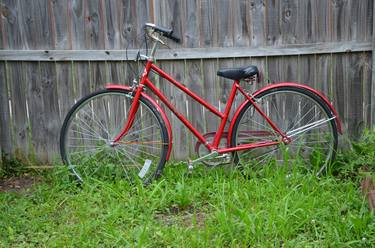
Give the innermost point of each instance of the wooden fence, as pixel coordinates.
(54, 52)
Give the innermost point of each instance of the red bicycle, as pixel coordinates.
(122, 131)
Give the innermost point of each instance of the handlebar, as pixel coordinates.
(166, 32)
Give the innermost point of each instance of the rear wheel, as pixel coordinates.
(86, 139)
(297, 112)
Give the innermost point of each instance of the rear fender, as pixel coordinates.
(161, 111)
(278, 85)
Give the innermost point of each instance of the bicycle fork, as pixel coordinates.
(131, 117)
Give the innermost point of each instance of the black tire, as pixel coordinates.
(94, 121)
(285, 114)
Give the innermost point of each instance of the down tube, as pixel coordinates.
(179, 116)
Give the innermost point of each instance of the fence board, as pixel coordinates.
(51, 118)
(2, 32)
(78, 23)
(182, 144)
(241, 21)
(257, 13)
(273, 31)
(355, 73)
(65, 87)
(288, 21)
(81, 79)
(322, 24)
(95, 27)
(194, 79)
(211, 83)
(192, 17)
(62, 27)
(209, 32)
(36, 109)
(18, 86)
(225, 22)
(5, 121)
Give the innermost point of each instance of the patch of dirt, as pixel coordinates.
(187, 216)
(18, 184)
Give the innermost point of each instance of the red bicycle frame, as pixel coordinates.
(145, 82)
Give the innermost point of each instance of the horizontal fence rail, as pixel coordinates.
(187, 53)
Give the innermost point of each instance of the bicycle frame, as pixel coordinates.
(145, 82)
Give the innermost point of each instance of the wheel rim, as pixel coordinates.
(296, 114)
(91, 129)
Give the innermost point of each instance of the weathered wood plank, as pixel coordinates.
(369, 20)
(95, 26)
(288, 21)
(61, 12)
(323, 82)
(288, 69)
(366, 81)
(12, 33)
(2, 32)
(338, 64)
(208, 21)
(78, 23)
(189, 53)
(36, 24)
(98, 75)
(224, 84)
(81, 79)
(322, 24)
(5, 121)
(373, 72)
(241, 23)
(258, 32)
(225, 23)
(190, 35)
(116, 72)
(65, 87)
(128, 24)
(112, 13)
(34, 94)
(211, 86)
(306, 17)
(183, 144)
(18, 86)
(143, 15)
(51, 113)
(194, 79)
(272, 25)
(340, 21)
(355, 73)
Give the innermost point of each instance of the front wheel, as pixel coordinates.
(301, 115)
(86, 139)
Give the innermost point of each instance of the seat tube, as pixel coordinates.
(226, 115)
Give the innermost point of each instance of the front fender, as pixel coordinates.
(161, 111)
(278, 85)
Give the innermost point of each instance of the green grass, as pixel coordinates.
(215, 207)
(212, 208)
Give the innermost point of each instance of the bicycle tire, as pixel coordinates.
(95, 120)
(292, 106)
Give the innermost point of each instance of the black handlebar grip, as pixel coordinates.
(174, 38)
(166, 32)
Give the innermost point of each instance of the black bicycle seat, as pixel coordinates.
(238, 73)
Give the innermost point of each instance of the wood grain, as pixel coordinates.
(188, 53)
(5, 121)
